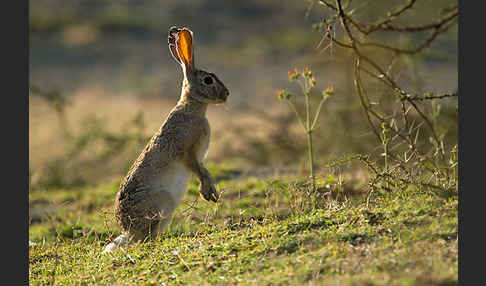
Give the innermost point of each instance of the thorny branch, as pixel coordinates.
(355, 32)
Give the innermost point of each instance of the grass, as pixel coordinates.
(257, 233)
(264, 229)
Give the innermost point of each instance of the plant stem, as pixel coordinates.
(296, 113)
(318, 111)
(309, 139)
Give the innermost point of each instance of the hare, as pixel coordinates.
(157, 180)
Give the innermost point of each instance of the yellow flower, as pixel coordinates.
(329, 91)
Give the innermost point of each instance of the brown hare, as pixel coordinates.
(158, 179)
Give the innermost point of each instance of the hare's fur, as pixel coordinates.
(157, 180)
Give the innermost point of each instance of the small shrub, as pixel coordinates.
(307, 81)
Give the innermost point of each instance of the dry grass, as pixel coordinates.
(231, 129)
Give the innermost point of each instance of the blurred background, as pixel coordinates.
(102, 81)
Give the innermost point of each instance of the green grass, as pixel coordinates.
(257, 233)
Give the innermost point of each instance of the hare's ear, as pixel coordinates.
(185, 49)
(172, 42)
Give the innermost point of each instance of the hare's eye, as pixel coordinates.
(208, 80)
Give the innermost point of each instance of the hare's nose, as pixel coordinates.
(225, 94)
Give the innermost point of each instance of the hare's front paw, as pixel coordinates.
(208, 191)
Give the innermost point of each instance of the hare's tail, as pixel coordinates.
(120, 240)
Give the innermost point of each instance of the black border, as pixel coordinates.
(15, 141)
(471, 91)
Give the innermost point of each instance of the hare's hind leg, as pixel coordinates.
(162, 225)
(153, 228)
(120, 240)
(144, 214)
(153, 215)
(165, 208)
